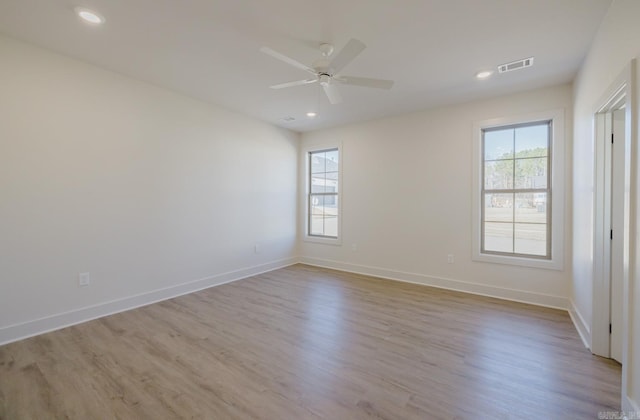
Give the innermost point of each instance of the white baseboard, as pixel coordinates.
(581, 326)
(28, 329)
(550, 301)
(630, 407)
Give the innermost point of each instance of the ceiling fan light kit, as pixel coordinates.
(326, 49)
(326, 70)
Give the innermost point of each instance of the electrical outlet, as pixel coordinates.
(354, 247)
(256, 248)
(450, 259)
(84, 279)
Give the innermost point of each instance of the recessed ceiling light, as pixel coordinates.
(89, 16)
(483, 74)
(311, 114)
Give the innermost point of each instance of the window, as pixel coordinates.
(323, 188)
(518, 193)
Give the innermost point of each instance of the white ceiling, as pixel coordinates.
(209, 49)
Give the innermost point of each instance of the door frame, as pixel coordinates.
(600, 337)
(622, 89)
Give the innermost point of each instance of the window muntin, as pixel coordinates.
(516, 190)
(323, 184)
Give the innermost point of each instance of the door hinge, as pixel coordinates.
(609, 328)
(611, 234)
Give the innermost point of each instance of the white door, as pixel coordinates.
(617, 226)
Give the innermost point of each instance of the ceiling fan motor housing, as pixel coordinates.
(324, 79)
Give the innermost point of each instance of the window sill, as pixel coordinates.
(553, 264)
(321, 240)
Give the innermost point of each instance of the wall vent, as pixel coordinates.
(515, 65)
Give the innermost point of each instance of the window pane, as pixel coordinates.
(332, 175)
(531, 173)
(318, 183)
(323, 197)
(498, 144)
(531, 208)
(498, 237)
(331, 226)
(317, 225)
(323, 215)
(331, 205)
(531, 239)
(332, 160)
(532, 141)
(498, 175)
(516, 158)
(318, 162)
(498, 207)
(316, 205)
(331, 182)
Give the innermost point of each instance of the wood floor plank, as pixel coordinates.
(310, 343)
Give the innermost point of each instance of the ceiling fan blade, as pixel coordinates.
(332, 93)
(347, 54)
(365, 82)
(296, 83)
(288, 60)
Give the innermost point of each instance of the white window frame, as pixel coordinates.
(305, 196)
(557, 151)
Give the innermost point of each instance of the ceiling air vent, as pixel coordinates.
(515, 65)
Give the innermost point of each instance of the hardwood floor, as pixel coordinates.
(306, 343)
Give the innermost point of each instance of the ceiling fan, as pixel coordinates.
(326, 70)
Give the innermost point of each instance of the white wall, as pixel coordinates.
(143, 188)
(617, 42)
(406, 204)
